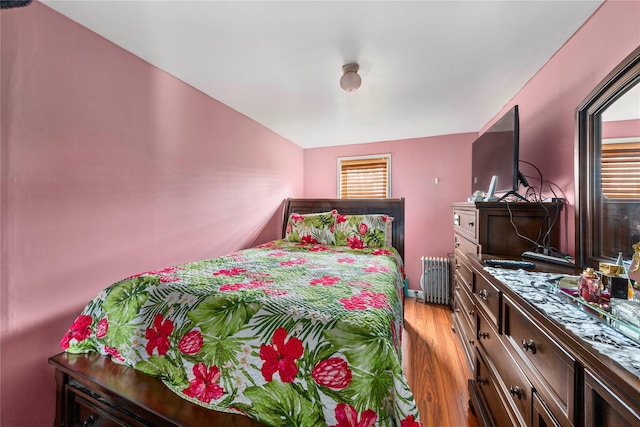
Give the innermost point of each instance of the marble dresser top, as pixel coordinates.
(540, 290)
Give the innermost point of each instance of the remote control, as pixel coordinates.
(509, 263)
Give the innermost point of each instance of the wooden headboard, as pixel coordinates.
(391, 207)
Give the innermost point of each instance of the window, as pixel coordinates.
(364, 177)
(621, 169)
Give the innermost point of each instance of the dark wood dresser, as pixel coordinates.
(488, 227)
(91, 390)
(528, 370)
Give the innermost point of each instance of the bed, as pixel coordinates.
(300, 331)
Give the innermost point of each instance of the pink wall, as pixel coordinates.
(415, 165)
(547, 106)
(110, 167)
(548, 102)
(621, 129)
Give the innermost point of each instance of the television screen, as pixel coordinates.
(495, 152)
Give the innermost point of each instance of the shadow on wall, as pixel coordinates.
(272, 228)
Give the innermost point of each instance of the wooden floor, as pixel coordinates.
(434, 364)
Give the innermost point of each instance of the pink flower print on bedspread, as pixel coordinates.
(308, 240)
(376, 269)
(347, 416)
(191, 342)
(253, 284)
(410, 422)
(292, 262)
(79, 330)
(296, 217)
(364, 300)
(102, 328)
(158, 335)
(166, 274)
(204, 386)
(363, 228)
(333, 373)
(324, 281)
(281, 356)
(381, 252)
(354, 242)
(230, 272)
(113, 352)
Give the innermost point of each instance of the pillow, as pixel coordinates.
(311, 228)
(363, 231)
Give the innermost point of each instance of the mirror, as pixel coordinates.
(608, 167)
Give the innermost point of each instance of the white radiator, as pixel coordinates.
(435, 280)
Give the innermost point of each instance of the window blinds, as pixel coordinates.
(364, 178)
(621, 170)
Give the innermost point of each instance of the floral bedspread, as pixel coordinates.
(289, 334)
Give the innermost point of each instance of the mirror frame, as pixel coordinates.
(588, 143)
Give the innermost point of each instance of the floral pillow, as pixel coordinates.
(311, 228)
(363, 231)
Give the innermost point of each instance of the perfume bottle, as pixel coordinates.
(590, 286)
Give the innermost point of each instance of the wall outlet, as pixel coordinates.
(418, 295)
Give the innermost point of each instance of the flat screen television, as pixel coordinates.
(495, 152)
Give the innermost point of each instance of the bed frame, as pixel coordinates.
(391, 207)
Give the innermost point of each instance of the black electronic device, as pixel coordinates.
(549, 258)
(509, 263)
(495, 153)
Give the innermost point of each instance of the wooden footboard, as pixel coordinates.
(93, 390)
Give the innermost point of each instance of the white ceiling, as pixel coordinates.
(428, 67)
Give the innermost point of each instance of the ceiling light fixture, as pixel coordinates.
(350, 80)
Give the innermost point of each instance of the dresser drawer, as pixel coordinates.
(604, 408)
(512, 381)
(465, 222)
(488, 297)
(90, 409)
(542, 417)
(85, 414)
(465, 305)
(464, 246)
(553, 369)
(463, 272)
(466, 334)
(488, 389)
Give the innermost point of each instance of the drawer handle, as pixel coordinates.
(470, 223)
(482, 380)
(484, 335)
(515, 391)
(457, 245)
(457, 310)
(457, 288)
(484, 294)
(471, 342)
(529, 346)
(89, 421)
(457, 267)
(472, 312)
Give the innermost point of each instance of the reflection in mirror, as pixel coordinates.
(620, 174)
(608, 167)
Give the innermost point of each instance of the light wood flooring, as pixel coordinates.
(434, 363)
